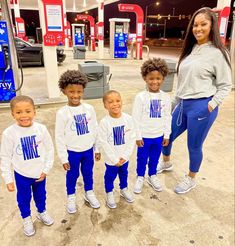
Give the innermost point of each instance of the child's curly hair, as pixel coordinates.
(74, 77)
(155, 64)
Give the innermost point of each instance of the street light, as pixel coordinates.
(146, 16)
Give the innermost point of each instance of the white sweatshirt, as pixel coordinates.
(29, 149)
(76, 129)
(152, 115)
(204, 73)
(117, 138)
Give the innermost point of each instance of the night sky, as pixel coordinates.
(174, 26)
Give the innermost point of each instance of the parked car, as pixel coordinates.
(30, 54)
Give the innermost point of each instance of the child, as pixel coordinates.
(75, 135)
(117, 137)
(27, 145)
(152, 120)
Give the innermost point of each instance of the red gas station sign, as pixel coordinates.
(223, 21)
(20, 28)
(139, 25)
(100, 30)
(54, 22)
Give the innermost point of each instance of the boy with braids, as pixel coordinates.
(152, 119)
(75, 135)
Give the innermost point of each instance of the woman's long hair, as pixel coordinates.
(214, 36)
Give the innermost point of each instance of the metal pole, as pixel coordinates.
(14, 62)
(164, 33)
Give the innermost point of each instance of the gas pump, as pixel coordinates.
(7, 85)
(78, 32)
(139, 25)
(119, 29)
(91, 42)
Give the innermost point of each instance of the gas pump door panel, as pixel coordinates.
(120, 45)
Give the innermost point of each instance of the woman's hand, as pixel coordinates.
(210, 109)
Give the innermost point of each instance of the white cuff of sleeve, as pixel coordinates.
(213, 104)
(166, 136)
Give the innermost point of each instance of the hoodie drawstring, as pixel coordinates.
(180, 115)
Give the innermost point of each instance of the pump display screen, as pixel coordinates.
(79, 37)
(120, 45)
(119, 29)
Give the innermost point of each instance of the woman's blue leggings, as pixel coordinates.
(192, 115)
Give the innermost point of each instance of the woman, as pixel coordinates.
(204, 79)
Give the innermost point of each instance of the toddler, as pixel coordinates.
(27, 145)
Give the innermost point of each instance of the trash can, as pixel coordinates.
(98, 82)
(79, 52)
(169, 79)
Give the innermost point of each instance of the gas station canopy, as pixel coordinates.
(71, 5)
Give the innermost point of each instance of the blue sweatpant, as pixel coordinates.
(25, 187)
(149, 154)
(111, 174)
(85, 159)
(192, 115)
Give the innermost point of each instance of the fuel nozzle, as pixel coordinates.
(7, 63)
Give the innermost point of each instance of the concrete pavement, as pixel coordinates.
(205, 216)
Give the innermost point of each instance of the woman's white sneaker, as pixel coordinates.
(164, 166)
(28, 226)
(185, 185)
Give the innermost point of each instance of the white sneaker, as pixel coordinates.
(45, 218)
(110, 200)
(71, 204)
(164, 166)
(185, 185)
(138, 185)
(91, 199)
(154, 182)
(127, 195)
(28, 226)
